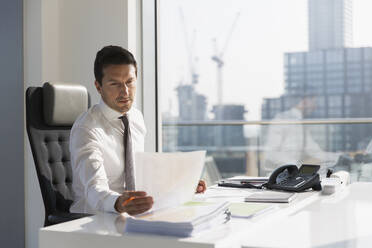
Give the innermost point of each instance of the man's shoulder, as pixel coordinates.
(137, 120)
(89, 119)
(136, 114)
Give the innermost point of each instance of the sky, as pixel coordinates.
(253, 58)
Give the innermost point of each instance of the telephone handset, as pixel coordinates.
(290, 178)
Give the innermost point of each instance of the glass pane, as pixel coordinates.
(239, 77)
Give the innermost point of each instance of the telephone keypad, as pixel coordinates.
(292, 182)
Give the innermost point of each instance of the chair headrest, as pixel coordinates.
(63, 102)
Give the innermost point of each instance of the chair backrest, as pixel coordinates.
(50, 113)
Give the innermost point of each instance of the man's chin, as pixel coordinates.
(124, 108)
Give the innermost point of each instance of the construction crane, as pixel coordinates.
(218, 58)
(190, 48)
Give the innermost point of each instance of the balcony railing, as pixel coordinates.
(271, 122)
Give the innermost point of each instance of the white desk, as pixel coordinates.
(340, 220)
(312, 220)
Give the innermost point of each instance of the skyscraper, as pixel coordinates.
(339, 77)
(229, 135)
(330, 24)
(192, 107)
(341, 82)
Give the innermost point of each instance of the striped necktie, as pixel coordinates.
(128, 156)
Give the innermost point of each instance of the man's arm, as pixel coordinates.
(87, 166)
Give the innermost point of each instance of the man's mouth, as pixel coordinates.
(125, 100)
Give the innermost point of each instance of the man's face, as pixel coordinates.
(118, 87)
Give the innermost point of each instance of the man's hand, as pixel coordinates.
(133, 202)
(202, 186)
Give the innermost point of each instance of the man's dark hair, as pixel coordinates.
(112, 55)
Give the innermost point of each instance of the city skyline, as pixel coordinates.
(237, 88)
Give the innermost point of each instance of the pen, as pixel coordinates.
(127, 201)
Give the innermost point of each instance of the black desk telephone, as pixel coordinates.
(290, 178)
(286, 177)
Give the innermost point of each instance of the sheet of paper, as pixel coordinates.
(225, 192)
(170, 178)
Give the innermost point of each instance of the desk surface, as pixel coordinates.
(312, 220)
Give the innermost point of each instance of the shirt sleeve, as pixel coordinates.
(88, 167)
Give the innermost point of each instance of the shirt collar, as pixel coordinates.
(108, 112)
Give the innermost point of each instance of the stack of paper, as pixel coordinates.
(182, 221)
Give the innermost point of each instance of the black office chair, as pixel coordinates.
(50, 113)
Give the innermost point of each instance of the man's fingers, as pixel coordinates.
(136, 193)
(202, 186)
(134, 202)
(139, 207)
(141, 200)
(139, 210)
(139, 203)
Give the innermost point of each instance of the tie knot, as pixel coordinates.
(124, 119)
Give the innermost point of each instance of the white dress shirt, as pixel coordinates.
(97, 156)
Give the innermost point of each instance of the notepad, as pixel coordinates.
(270, 196)
(248, 210)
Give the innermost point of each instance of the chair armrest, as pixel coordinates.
(57, 218)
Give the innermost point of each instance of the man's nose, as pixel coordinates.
(124, 89)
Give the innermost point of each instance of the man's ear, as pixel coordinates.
(98, 86)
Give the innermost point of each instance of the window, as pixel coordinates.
(354, 54)
(335, 56)
(314, 58)
(225, 71)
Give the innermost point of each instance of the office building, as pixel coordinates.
(330, 24)
(229, 135)
(229, 140)
(192, 106)
(339, 77)
(220, 141)
(341, 82)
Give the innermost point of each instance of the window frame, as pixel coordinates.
(149, 91)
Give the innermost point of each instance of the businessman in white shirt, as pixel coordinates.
(96, 140)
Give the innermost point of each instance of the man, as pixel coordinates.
(103, 169)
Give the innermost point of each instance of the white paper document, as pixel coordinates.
(182, 221)
(170, 178)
